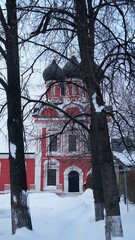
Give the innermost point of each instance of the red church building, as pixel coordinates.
(62, 159)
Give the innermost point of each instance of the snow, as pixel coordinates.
(98, 108)
(13, 150)
(62, 218)
(14, 199)
(125, 158)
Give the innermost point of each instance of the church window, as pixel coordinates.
(53, 143)
(72, 143)
(62, 89)
(51, 177)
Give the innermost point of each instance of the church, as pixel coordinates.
(61, 162)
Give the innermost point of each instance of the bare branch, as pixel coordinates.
(3, 22)
(4, 84)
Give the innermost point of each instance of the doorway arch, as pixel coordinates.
(73, 181)
(66, 178)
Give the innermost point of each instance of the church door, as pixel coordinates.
(73, 180)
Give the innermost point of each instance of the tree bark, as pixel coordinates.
(97, 180)
(101, 152)
(113, 225)
(86, 45)
(20, 213)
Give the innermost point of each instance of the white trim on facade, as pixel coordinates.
(30, 155)
(66, 181)
(6, 188)
(38, 156)
(6, 155)
(38, 172)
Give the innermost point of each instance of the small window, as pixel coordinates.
(72, 143)
(53, 143)
(51, 177)
(62, 89)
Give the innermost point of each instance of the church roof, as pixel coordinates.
(72, 69)
(53, 72)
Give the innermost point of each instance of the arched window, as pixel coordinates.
(51, 177)
(53, 143)
(62, 89)
(72, 143)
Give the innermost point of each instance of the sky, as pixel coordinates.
(35, 87)
(62, 218)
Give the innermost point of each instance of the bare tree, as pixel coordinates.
(98, 118)
(20, 213)
(87, 20)
(100, 42)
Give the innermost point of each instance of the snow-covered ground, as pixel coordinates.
(67, 218)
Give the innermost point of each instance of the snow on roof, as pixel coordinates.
(128, 159)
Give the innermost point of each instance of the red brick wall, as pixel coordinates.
(5, 173)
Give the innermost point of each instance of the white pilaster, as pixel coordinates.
(38, 156)
(38, 172)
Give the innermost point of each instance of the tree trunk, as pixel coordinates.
(113, 226)
(97, 180)
(20, 213)
(101, 154)
(86, 45)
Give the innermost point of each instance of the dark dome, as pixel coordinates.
(53, 72)
(72, 69)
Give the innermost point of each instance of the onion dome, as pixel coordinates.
(53, 72)
(72, 69)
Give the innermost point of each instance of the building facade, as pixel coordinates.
(62, 159)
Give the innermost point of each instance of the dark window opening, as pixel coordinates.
(62, 89)
(51, 177)
(73, 179)
(72, 143)
(53, 143)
